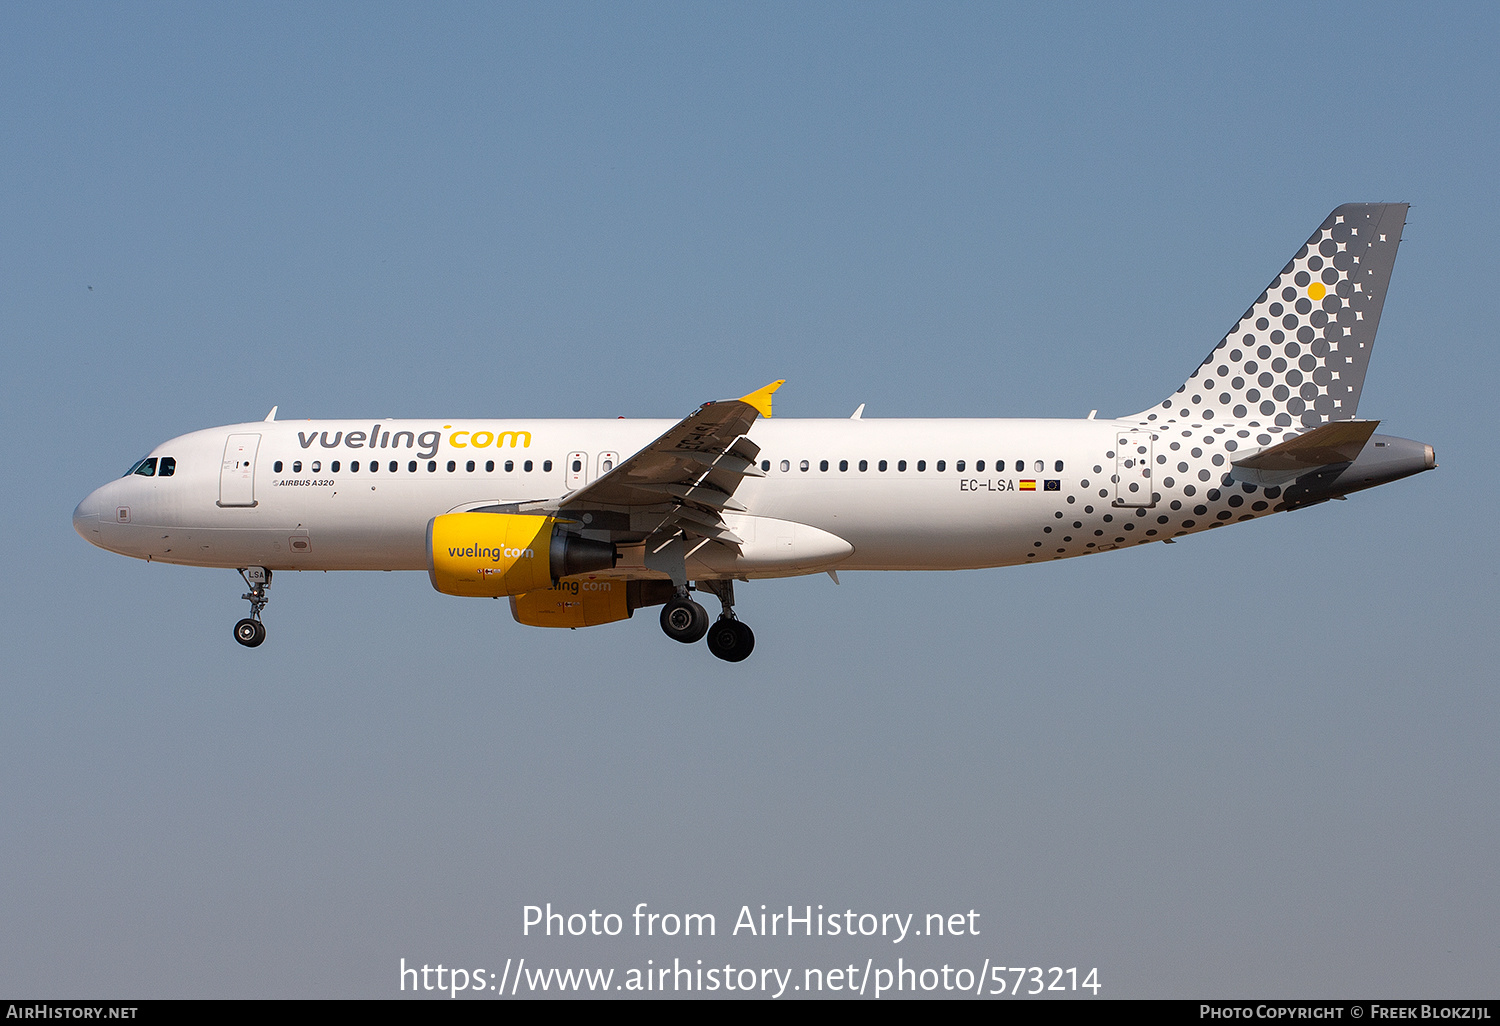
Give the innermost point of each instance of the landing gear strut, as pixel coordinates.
(728, 638)
(250, 632)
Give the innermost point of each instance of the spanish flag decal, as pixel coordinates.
(1028, 486)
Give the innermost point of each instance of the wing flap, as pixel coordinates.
(702, 495)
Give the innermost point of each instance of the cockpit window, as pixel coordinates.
(167, 467)
(145, 468)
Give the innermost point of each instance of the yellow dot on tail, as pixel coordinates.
(1316, 290)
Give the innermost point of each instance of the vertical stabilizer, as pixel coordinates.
(1298, 356)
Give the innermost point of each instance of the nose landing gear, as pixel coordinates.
(250, 632)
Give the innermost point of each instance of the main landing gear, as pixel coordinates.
(686, 621)
(683, 619)
(730, 640)
(250, 632)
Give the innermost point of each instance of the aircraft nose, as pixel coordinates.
(86, 519)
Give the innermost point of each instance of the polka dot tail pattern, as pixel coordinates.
(1296, 360)
(1298, 356)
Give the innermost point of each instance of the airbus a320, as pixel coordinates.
(582, 522)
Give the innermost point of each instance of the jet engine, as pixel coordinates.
(588, 601)
(487, 555)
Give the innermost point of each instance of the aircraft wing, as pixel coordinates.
(688, 475)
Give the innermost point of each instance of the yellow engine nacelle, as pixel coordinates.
(573, 603)
(487, 555)
(587, 602)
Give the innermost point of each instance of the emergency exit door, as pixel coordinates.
(578, 470)
(237, 474)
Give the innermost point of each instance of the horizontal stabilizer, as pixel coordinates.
(1338, 442)
(1334, 444)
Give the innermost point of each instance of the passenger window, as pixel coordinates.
(547, 465)
(297, 467)
(577, 466)
(765, 465)
(959, 466)
(805, 466)
(334, 467)
(374, 466)
(167, 467)
(354, 467)
(432, 466)
(1039, 466)
(921, 465)
(526, 466)
(978, 467)
(942, 465)
(607, 466)
(276, 467)
(843, 464)
(823, 465)
(786, 465)
(489, 466)
(864, 465)
(510, 465)
(1058, 466)
(411, 468)
(901, 465)
(317, 465)
(396, 466)
(452, 466)
(881, 465)
(1020, 466)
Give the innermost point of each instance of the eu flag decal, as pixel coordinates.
(1052, 486)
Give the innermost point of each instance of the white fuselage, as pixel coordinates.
(953, 494)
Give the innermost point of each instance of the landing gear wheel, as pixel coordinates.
(249, 632)
(730, 640)
(684, 620)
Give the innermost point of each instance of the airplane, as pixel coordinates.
(582, 522)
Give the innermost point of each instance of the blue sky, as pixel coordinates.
(1259, 762)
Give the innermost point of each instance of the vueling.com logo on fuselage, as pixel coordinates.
(428, 441)
(493, 553)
